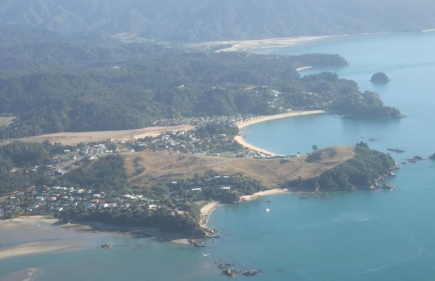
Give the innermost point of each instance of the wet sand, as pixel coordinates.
(32, 235)
(28, 274)
(35, 235)
(39, 248)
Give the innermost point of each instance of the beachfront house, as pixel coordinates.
(152, 207)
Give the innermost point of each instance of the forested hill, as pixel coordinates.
(202, 20)
(362, 172)
(26, 48)
(53, 83)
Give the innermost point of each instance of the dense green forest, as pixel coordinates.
(360, 172)
(161, 218)
(22, 165)
(54, 83)
(202, 20)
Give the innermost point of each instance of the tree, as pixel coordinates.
(315, 147)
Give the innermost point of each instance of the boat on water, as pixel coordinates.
(267, 210)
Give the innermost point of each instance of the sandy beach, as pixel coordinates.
(263, 193)
(303, 68)
(206, 211)
(245, 144)
(249, 45)
(241, 125)
(71, 138)
(208, 208)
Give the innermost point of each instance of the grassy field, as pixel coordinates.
(148, 168)
(6, 121)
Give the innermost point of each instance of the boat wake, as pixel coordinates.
(390, 265)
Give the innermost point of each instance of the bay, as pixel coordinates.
(361, 235)
(378, 235)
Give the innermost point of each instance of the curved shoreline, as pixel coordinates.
(210, 207)
(267, 43)
(206, 211)
(243, 124)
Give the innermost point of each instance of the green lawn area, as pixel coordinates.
(228, 155)
(6, 121)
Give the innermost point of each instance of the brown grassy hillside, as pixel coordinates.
(147, 168)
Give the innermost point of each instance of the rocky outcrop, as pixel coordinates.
(380, 78)
(232, 272)
(388, 186)
(196, 244)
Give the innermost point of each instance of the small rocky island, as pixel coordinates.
(432, 156)
(380, 78)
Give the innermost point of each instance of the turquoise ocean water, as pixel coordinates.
(379, 235)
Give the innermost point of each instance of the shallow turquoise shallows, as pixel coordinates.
(378, 235)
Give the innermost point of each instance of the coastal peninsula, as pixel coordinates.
(364, 171)
(158, 161)
(156, 201)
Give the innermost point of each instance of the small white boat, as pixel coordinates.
(267, 210)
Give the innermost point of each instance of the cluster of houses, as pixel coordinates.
(183, 142)
(45, 200)
(93, 152)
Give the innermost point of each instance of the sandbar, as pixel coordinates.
(28, 274)
(249, 45)
(243, 124)
(35, 235)
(35, 248)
